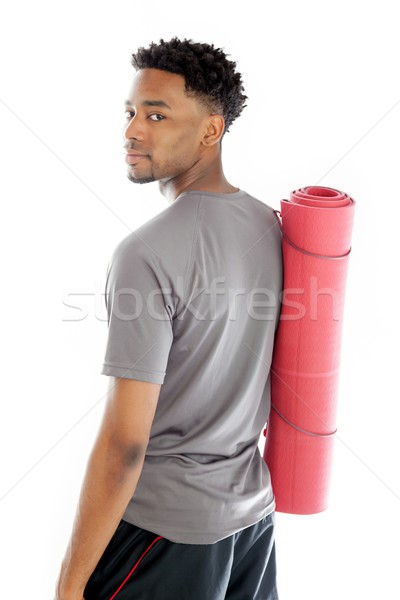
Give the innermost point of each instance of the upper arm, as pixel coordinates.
(140, 328)
(128, 415)
(140, 336)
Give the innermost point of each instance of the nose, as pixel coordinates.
(134, 129)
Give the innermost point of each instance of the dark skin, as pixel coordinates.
(179, 147)
(181, 142)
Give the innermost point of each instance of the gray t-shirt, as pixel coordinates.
(193, 300)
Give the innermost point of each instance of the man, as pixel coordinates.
(177, 501)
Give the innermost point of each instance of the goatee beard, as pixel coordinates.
(140, 179)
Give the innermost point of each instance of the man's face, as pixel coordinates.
(163, 125)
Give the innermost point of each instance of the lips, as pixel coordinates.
(132, 158)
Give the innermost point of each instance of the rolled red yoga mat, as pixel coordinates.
(316, 226)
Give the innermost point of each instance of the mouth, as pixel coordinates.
(134, 158)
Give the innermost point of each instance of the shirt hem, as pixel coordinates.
(199, 537)
(138, 374)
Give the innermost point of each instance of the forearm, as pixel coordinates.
(107, 487)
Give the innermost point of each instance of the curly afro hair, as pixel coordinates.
(209, 75)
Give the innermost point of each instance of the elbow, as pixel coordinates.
(120, 456)
(132, 456)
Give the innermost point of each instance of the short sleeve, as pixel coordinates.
(140, 331)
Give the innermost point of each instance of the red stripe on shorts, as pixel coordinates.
(160, 537)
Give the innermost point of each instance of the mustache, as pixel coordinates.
(135, 149)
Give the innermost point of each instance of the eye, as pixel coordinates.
(156, 115)
(128, 112)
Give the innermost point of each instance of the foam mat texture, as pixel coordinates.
(316, 224)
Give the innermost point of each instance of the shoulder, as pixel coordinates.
(267, 213)
(261, 204)
(164, 240)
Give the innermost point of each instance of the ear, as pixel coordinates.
(214, 130)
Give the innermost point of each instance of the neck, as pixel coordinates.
(206, 177)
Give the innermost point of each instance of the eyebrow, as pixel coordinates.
(151, 103)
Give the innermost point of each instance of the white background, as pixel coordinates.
(324, 108)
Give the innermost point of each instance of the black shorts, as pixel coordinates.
(141, 565)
